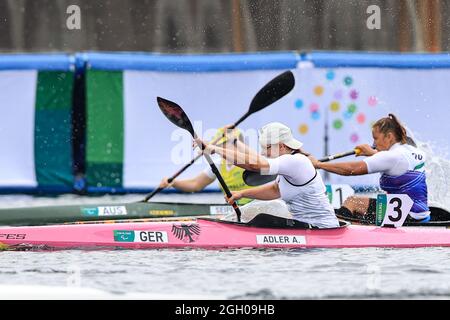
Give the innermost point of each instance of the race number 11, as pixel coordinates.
(392, 209)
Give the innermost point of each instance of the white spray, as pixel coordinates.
(437, 168)
(438, 177)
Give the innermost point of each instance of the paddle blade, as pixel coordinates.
(175, 114)
(253, 179)
(276, 89)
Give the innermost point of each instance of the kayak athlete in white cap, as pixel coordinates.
(298, 183)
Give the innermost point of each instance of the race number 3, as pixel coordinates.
(393, 209)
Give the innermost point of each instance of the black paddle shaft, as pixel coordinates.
(159, 189)
(337, 156)
(221, 181)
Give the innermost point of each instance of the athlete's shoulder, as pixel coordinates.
(301, 158)
(293, 161)
(413, 152)
(291, 157)
(386, 154)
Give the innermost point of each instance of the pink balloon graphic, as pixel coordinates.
(314, 107)
(354, 138)
(361, 118)
(372, 101)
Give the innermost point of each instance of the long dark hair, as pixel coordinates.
(391, 124)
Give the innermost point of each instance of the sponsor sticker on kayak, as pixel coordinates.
(216, 210)
(140, 236)
(280, 239)
(105, 211)
(13, 236)
(156, 212)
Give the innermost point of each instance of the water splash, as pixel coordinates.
(438, 175)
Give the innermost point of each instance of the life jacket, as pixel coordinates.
(233, 178)
(413, 183)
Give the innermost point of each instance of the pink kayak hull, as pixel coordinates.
(202, 233)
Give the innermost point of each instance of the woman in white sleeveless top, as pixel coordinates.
(298, 183)
(402, 168)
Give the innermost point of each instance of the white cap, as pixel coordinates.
(275, 133)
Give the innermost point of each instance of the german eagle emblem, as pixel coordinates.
(186, 232)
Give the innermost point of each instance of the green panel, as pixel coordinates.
(53, 128)
(105, 125)
(104, 174)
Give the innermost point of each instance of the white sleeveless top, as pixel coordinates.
(396, 161)
(303, 190)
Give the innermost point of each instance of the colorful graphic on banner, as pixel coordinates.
(338, 96)
(344, 105)
(134, 146)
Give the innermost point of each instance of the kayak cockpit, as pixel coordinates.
(264, 220)
(439, 218)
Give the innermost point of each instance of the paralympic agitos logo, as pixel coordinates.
(186, 232)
